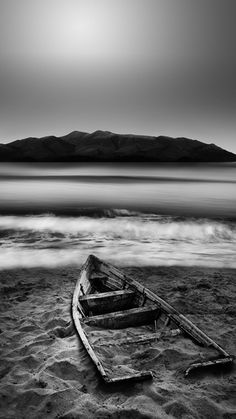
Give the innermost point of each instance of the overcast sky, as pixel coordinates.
(158, 67)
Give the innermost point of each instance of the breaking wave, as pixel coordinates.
(123, 224)
(119, 236)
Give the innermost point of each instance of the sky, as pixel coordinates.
(154, 67)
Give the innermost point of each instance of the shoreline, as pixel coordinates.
(46, 372)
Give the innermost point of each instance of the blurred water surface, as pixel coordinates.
(128, 214)
(196, 189)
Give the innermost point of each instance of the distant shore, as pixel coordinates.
(105, 146)
(47, 373)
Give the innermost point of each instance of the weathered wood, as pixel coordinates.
(107, 302)
(104, 295)
(125, 318)
(105, 281)
(141, 339)
(210, 363)
(77, 318)
(181, 321)
(140, 376)
(155, 327)
(101, 276)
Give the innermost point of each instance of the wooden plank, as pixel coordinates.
(140, 376)
(104, 295)
(141, 339)
(113, 280)
(209, 363)
(77, 318)
(107, 302)
(125, 318)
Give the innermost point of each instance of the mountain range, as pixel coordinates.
(105, 146)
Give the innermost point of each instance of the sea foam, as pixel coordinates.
(119, 236)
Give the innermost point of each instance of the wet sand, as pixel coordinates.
(46, 373)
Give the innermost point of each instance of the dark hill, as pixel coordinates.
(106, 146)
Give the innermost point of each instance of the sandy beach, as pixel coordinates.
(46, 373)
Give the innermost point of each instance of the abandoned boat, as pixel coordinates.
(117, 318)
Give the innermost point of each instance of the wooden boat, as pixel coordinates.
(113, 311)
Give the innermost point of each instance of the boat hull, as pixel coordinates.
(111, 309)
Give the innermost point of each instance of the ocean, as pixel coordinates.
(129, 214)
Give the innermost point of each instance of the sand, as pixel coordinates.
(46, 373)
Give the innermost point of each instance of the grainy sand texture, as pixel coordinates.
(46, 373)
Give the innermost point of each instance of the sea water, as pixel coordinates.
(129, 214)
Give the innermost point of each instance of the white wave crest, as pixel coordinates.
(133, 228)
(50, 241)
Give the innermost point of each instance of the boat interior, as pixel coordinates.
(124, 323)
(111, 302)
